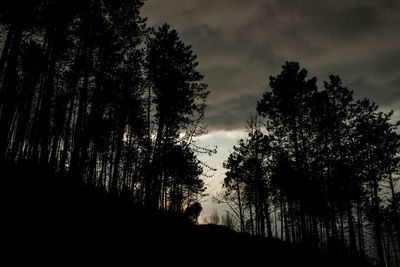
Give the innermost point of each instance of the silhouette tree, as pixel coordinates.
(332, 116)
(234, 183)
(287, 108)
(17, 17)
(178, 97)
(326, 162)
(374, 132)
(72, 91)
(247, 179)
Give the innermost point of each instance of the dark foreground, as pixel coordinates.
(48, 222)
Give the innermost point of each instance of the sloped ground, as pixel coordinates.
(48, 222)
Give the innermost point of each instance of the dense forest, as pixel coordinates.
(91, 92)
(318, 168)
(99, 110)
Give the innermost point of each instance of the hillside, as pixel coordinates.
(52, 223)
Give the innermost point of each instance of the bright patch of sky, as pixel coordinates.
(224, 140)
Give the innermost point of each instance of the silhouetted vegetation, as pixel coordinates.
(318, 170)
(98, 115)
(89, 91)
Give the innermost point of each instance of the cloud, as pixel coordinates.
(239, 44)
(384, 95)
(232, 113)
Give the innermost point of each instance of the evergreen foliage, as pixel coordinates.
(92, 93)
(320, 171)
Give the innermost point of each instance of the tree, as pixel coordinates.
(375, 134)
(247, 179)
(75, 78)
(287, 108)
(324, 163)
(173, 78)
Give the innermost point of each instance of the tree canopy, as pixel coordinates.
(91, 92)
(319, 172)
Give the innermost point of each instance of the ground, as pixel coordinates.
(47, 221)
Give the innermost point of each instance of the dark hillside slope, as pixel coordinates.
(49, 222)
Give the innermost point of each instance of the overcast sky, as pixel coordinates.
(239, 44)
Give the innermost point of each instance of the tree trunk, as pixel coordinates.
(360, 230)
(292, 221)
(352, 237)
(148, 178)
(268, 219)
(8, 90)
(251, 219)
(79, 152)
(240, 206)
(328, 234)
(5, 51)
(377, 223)
(152, 184)
(67, 133)
(395, 210)
(342, 239)
(117, 158)
(48, 88)
(303, 227)
(30, 82)
(282, 213)
(91, 179)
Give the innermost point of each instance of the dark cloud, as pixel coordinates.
(382, 94)
(324, 19)
(350, 22)
(232, 113)
(240, 43)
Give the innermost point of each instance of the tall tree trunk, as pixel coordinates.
(152, 190)
(148, 178)
(79, 152)
(240, 206)
(5, 51)
(282, 213)
(395, 210)
(48, 90)
(360, 230)
(300, 171)
(286, 224)
(59, 124)
(315, 235)
(292, 221)
(303, 227)
(327, 232)
(8, 91)
(342, 239)
(267, 219)
(251, 218)
(335, 234)
(377, 223)
(30, 82)
(117, 158)
(352, 236)
(91, 179)
(67, 134)
(126, 175)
